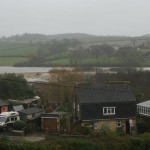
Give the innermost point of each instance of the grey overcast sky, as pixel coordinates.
(100, 17)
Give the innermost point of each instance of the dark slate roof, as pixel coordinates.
(31, 110)
(2, 103)
(95, 92)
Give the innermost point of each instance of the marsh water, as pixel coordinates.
(7, 69)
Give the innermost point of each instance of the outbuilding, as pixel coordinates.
(144, 108)
(30, 114)
(56, 122)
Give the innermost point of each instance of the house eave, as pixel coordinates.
(109, 119)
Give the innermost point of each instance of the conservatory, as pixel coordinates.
(144, 108)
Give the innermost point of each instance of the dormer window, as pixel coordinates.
(109, 110)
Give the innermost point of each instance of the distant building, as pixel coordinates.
(112, 104)
(144, 108)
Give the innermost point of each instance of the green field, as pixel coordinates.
(11, 53)
(43, 54)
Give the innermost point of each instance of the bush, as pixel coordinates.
(19, 125)
(32, 127)
(84, 130)
(143, 125)
(105, 130)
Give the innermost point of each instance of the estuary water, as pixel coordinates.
(7, 69)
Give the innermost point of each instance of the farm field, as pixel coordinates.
(10, 54)
(46, 52)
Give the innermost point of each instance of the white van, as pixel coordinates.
(8, 118)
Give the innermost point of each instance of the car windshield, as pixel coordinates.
(2, 119)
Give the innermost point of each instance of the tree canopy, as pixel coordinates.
(14, 86)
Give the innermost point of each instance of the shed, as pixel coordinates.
(56, 122)
(144, 108)
(30, 113)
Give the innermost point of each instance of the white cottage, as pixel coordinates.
(144, 108)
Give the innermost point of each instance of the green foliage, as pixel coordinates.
(84, 130)
(32, 127)
(19, 125)
(143, 124)
(139, 96)
(141, 142)
(41, 50)
(14, 86)
(105, 130)
(13, 53)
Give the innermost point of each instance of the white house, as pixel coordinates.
(144, 108)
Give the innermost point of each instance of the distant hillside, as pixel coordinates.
(82, 37)
(74, 49)
(146, 35)
(27, 38)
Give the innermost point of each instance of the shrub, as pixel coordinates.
(105, 130)
(84, 130)
(32, 127)
(19, 125)
(143, 125)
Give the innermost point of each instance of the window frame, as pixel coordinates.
(119, 122)
(12, 119)
(109, 110)
(95, 125)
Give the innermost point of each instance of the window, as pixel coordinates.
(95, 125)
(143, 110)
(109, 110)
(12, 119)
(119, 124)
